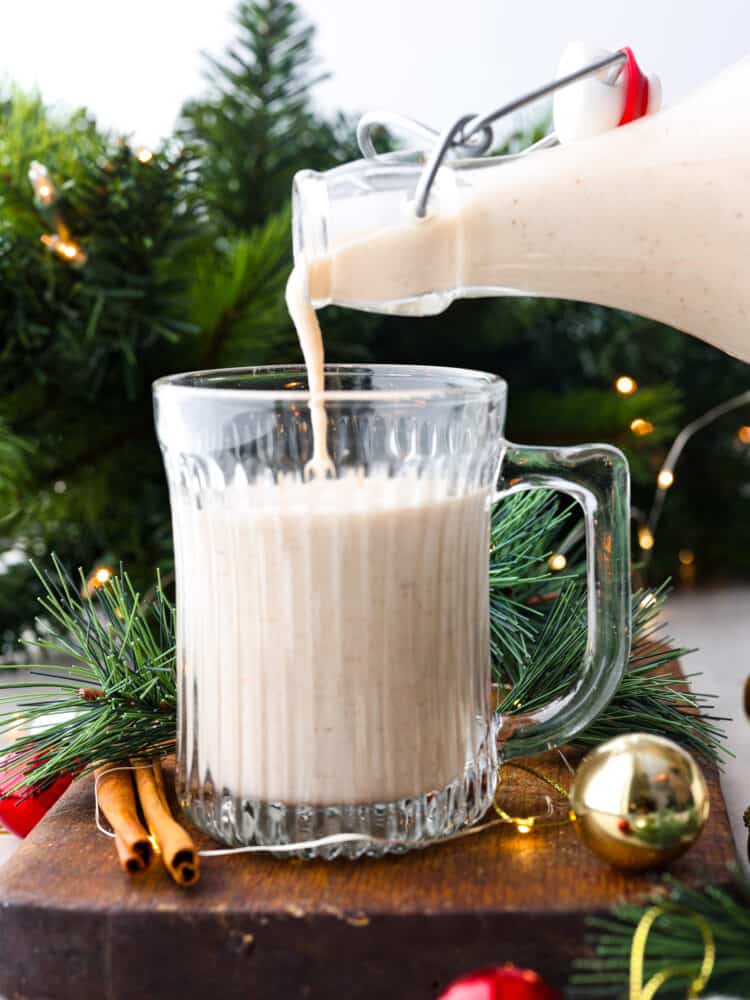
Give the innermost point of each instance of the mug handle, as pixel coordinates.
(597, 476)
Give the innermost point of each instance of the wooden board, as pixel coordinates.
(74, 927)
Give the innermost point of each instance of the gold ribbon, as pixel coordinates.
(698, 981)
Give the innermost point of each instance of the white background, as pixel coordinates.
(134, 64)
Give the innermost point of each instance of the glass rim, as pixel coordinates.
(478, 384)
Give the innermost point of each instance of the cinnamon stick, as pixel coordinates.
(116, 795)
(177, 848)
(159, 778)
(130, 859)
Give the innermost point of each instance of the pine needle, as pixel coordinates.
(116, 700)
(538, 632)
(674, 940)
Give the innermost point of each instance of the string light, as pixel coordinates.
(45, 195)
(686, 557)
(67, 249)
(641, 427)
(44, 189)
(665, 479)
(143, 154)
(645, 538)
(525, 824)
(687, 574)
(625, 385)
(99, 577)
(557, 562)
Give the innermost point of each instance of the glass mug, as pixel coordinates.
(333, 655)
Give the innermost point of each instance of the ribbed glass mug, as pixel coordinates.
(333, 654)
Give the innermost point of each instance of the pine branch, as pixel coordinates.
(81, 345)
(237, 297)
(538, 643)
(117, 697)
(673, 940)
(256, 126)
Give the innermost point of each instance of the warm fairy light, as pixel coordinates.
(641, 427)
(44, 189)
(66, 249)
(665, 478)
(143, 154)
(524, 825)
(97, 578)
(686, 557)
(557, 562)
(744, 434)
(645, 538)
(625, 385)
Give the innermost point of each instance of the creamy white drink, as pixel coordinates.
(335, 634)
(311, 342)
(653, 217)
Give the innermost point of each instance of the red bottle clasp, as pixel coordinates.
(636, 89)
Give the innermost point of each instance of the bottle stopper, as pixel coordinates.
(594, 91)
(614, 96)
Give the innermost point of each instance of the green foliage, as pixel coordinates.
(256, 127)
(238, 288)
(599, 414)
(93, 326)
(119, 695)
(538, 631)
(13, 472)
(29, 130)
(675, 940)
(138, 229)
(79, 469)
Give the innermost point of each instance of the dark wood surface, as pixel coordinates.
(72, 925)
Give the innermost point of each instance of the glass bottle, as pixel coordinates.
(652, 217)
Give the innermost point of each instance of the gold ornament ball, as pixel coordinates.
(640, 801)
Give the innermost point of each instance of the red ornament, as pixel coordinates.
(19, 811)
(500, 983)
